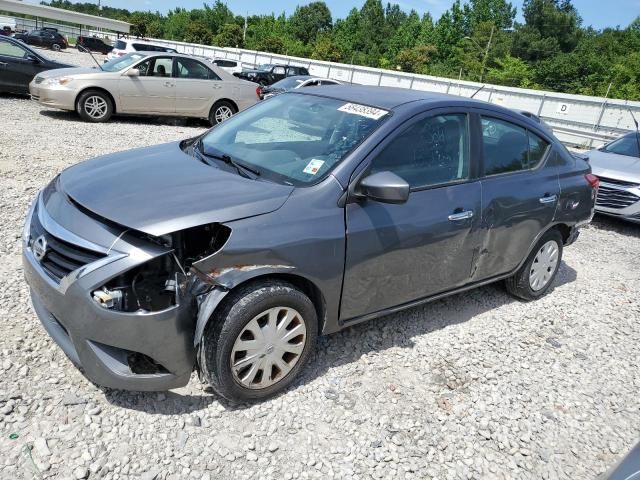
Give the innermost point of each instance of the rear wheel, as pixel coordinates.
(95, 106)
(535, 277)
(220, 112)
(56, 47)
(259, 341)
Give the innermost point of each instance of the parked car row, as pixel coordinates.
(48, 38)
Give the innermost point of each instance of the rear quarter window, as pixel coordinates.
(120, 45)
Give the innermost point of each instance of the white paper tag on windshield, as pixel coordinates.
(313, 166)
(363, 110)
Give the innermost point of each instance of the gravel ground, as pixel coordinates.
(474, 386)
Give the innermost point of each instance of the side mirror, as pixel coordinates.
(132, 72)
(385, 187)
(32, 58)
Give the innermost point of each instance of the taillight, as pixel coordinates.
(259, 91)
(121, 54)
(594, 181)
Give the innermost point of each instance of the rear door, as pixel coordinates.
(400, 253)
(197, 87)
(278, 73)
(153, 91)
(520, 193)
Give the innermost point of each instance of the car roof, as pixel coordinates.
(386, 98)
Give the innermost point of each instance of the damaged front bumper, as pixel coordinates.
(133, 350)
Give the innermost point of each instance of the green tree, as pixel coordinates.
(230, 36)
(198, 32)
(415, 59)
(325, 48)
(498, 12)
(511, 71)
(310, 20)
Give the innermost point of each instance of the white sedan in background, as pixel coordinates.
(230, 66)
(146, 83)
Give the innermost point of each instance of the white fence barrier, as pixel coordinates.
(576, 119)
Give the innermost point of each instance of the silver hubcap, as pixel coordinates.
(96, 107)
(223, 113)
(544, 265)
(56, 47)
(268, 347)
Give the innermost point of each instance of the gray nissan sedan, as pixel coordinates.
(303, 215)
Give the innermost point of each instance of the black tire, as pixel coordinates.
(218, 107)
(237, 311)
(519, 285)
(56, 47)
(84, 110)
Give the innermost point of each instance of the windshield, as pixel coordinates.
(296, 139)
(120, 63)
(288, 83)
(627, 145)
(265, 67)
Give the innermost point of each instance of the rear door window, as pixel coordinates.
(510, 148)
(193, 69)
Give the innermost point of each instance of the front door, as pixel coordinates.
(153, 91)
(16, 70)
(197, 88)
(520, 193)
(400, 253)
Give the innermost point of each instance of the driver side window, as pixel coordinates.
(432, 151)
(11, 50)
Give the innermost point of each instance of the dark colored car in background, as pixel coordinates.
(303, 215)
(19, 64)
(269, 74)
(47, 38)
(94, 44)
(292, 83)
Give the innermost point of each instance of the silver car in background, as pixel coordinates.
(617, 165)
(146, 83)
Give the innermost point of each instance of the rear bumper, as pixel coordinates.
(106, 344)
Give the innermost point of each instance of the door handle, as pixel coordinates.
(4, 64)
(548, 199)
(168, 84)
(456, 217)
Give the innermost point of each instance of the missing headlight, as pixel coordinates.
(151, 287)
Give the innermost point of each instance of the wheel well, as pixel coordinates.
(98, 89)
(233, 104)
(304, 285)
(564, 230)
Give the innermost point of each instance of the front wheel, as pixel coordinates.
(535, 277)
(220, 112)
(258, 342)
(95, 106)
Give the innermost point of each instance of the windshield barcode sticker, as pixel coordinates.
(313, 166)
(363, 110)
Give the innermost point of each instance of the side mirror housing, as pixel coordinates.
(32, 58)
(132, 72)
(385, 187)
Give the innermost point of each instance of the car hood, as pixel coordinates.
(66, 72)
(161, 189)
(611, 165)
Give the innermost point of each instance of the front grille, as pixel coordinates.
(622, 183)
(61, 257)
(611, 197)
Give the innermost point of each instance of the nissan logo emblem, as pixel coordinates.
(39, 248)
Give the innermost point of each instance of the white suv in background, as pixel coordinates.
(122, 47)
(230, 66)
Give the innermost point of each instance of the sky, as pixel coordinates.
(597, 13)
